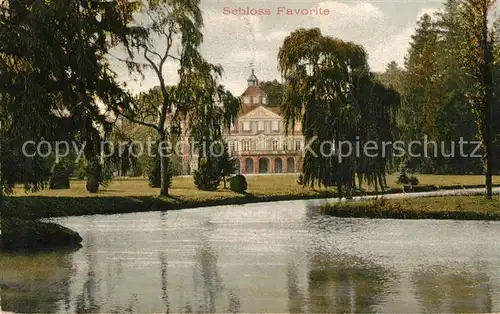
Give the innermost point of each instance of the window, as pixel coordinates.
(246, 145)
(264, 100)
(261, 126)
(267, 126)
(246, 100)
(275, 145)
(275, 126)
(298, 145)
(246, 126)
(232, 148)
(256, 99)
(285, 145)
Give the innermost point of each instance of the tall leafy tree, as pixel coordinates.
(173, 34)
(54, 73)
(392, 76)
(274, 92)
(208, 109)
(330, 89)
(421, 91)
(479, 64)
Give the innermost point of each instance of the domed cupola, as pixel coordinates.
(253, 80)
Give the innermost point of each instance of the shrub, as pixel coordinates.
(60, 176)
(20, 235)
(154, 173)
(403, 177)
(413, 180)
(403, 174)
(226, 164)
(238, 183)
(300, 180)
(93, 176)
(81, 170)
(207, 177)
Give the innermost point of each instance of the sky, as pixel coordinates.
(235, 41)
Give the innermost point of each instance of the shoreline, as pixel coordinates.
(38, 207)
(454, 207)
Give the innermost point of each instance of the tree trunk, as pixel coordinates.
(488, 145)
(163, 166)
(488, 127)
(224, 180)
(164, 175)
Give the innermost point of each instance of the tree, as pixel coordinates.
(208, 109)
(274, 92)
(421, 88)
(330, 89)
(392, 77)
(226, 165)
(168, 24)
(479, 66)
(207, 177)
(54, 72)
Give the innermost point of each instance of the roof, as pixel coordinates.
(253, 91)
(247, 108)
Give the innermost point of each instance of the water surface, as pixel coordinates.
(273, 257)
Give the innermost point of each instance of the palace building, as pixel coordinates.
(257, 139)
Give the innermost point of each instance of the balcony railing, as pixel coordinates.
(266, 152)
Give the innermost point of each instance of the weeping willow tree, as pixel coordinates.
(331, 91)
(207, 107)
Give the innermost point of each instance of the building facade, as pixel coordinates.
(257, 139)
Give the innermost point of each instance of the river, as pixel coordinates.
(272, 257)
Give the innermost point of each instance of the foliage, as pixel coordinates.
(61, 172)
(479, 66)
(274, 92)
(54, 72)
(94, 172)
(238, 183)
(413, 180)
(300, 180)
(207, 177)
(403, 177)
(434, 85)
(81, 169)
(226, 164)
(25, 235)
(154, 173)
(330, 89)
(443, 207)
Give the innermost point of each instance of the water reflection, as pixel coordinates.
(347, 284)
(86, 300)
(279, 258)
(439, 290)
(36, 282)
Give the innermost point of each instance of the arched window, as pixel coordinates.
(263, 165)
(249, 165)
(278, 165)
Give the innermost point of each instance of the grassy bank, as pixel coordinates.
(29, 235)
(134, 195)
(443, 207)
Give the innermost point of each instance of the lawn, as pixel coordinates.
(442, 207)
(134, 195)
(184, 189)
(260, 186)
